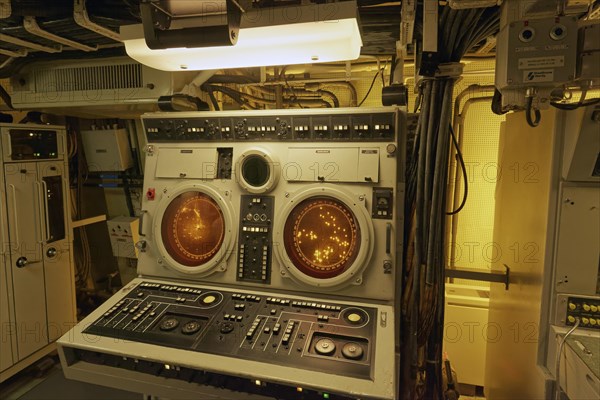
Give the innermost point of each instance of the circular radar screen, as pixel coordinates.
(193, 228)
(321, 237)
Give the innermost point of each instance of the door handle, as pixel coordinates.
(15, 213)
(2, 225)
(388, 238)
(45, 204)
(8, 146)
(141, 223)
(38, 187)
(22, 262)
(593, 384)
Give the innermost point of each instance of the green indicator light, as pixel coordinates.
(325, 395)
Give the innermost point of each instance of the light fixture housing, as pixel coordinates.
(274, 36)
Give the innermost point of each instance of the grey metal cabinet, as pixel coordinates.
(38, 295)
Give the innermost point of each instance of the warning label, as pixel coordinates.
(541, 62)
(546, 75)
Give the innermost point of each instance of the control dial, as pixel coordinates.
(169, 324)
(191, 327)
(352, 351)
(325, 347)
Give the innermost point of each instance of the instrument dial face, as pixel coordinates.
(322, 237)
(193, 228)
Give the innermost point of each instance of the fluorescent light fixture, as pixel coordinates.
(299, 41)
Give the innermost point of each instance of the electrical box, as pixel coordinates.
(581, 154)
(536, 53)
(107, 150)
(123, 232)
(589, 53)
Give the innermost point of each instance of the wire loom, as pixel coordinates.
(426, 205)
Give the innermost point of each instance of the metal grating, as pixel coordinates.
(103, 77)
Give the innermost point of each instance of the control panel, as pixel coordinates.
(337, 127)
(256, 238)
(31, 144)
(586, 309)
(268, 259)
(303, 334)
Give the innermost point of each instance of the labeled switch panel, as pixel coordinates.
(383, 203)
(256, 236)
(586, 309)
(354, 127)
(224, 162)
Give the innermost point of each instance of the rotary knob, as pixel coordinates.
(352, 351)
(169, 324)
(191, 327)
(325, 347)
(226, 327)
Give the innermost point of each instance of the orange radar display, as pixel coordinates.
(193, 228)
(321, 237)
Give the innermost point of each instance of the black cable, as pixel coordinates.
(574, 106)
(392, 67)
(418, 99)
(234, 95)
(538, 116)
(294, 96)
(464, 173)
(497, 103)
(213, 100)
(332, 96)
(370, 88)
(6, 97)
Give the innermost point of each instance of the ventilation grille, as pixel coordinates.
(102, 77)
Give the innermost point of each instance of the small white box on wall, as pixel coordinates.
(107, 150)
(123, 233)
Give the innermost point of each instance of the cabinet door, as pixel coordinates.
(23, 192)
(57, 243)
(6, 336)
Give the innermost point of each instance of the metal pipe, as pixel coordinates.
(82, 19)
(8, 61)
(203, 76)
(30, 24)
(31, 45)
(10, 53)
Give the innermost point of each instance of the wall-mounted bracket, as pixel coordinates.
(479, 275)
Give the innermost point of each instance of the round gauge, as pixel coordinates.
(257, 170)
(321, 237)
(193, 228)
(326, 235)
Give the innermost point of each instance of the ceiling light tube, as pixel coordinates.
(284, 36)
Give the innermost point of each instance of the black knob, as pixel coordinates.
(51, 252)
(21, 262)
